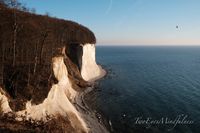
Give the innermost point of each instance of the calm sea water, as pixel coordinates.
(146, 86)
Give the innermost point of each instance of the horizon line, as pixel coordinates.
(109, 44)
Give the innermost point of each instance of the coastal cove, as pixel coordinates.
(149, 83)
(99, 66)
(44, 71)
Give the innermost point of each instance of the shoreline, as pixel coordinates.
(87, 114)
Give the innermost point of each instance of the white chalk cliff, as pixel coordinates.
(60, 96)
(90, 71)
(5, 108)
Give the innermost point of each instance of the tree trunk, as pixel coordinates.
(42, 46)
(2, 64)
(36, 58)
(15, 27)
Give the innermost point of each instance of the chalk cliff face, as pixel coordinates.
(44, 66)
(61, 95)
(5, 108)
(90, 70)
(57, 101)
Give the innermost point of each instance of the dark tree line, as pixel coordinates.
(16, 5)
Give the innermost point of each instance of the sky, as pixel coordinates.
(130, 22)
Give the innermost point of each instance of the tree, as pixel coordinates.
(47, 14)
(33, 10)
(36, 58)
(2, 62)
(14, 4)
(2, 2)
(44, 36)
(24, 8)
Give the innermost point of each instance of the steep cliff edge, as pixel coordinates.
(90, 71)
(44, 64)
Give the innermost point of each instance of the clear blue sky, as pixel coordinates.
(136, 22)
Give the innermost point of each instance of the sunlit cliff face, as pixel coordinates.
(58, 101)
(62, 94)
(90, 70)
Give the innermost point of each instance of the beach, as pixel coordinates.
(94, 123)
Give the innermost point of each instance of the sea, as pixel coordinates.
(149, 89)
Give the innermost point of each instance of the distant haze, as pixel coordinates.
(131, 22)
